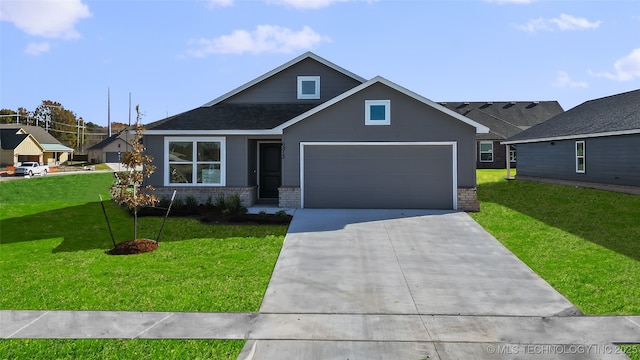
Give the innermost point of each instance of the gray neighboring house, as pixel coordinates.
(505, 119)
(595, 144)
(110, 149)
(310, 134)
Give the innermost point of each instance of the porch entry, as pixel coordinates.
(269, 169)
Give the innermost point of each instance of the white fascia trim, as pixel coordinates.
(212, 132)
(572, 137)
(480, 129)
(454, 156)
(307, 54)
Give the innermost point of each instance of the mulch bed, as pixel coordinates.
(133, 247)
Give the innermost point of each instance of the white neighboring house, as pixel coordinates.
(110, 149)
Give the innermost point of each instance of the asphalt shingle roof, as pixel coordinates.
(109, 140)
(613, 113)
(229, 116)
(9, 140)
(506, 118)
(40, 134)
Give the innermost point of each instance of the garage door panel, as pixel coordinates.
(377, 176)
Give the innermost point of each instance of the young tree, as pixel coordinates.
(128, 188)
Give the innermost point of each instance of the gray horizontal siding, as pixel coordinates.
(609, 160)
(283, 88)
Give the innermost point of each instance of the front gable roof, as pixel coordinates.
(45, 140)
(612, 115)
(280, 68)
(378, 79)
(11, 139)
(111, 139)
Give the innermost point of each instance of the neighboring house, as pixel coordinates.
(504, 119)
(17, 147)
(49, 152)
(110, 149)
(595, 144)
(311, 134)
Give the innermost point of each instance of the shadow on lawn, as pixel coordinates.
(83, 227)
(609, 219)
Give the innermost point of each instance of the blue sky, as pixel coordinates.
(173, 56)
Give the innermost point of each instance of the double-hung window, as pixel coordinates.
(580, 157)
(486, 151)
(195, 161)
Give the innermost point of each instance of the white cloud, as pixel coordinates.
(36, 49)
(220, 3)
(309, 4)
(564, 81)
(626, 68)
(568, 22)
(563, 22)
(265, 38)
(46, 18)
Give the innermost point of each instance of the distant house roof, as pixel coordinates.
(506, 118)
(226, 116)
(612, 115)
(121, 135)
(46, 140)
(10, 138)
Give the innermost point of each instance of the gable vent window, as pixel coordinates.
(377, 112)
(308, 87)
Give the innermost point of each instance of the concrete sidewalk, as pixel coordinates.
(362, 336)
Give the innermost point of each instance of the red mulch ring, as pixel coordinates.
(132, 247)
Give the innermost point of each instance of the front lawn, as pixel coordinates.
(584, 242)
(53, 239)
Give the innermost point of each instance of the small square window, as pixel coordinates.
(308, 87)
(377, 112)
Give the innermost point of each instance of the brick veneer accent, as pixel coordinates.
(289, 197)
(248, 195)
(468, 200)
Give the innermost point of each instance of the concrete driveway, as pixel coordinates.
(404, 284)
(402, 262)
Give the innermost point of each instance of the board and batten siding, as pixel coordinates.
(608, 160)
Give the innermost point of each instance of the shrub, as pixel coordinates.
(230, 205)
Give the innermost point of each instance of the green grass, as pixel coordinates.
(119, 349)
(53, 238)
(583, 242)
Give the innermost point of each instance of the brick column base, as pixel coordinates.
(289, 197)
(468, 200)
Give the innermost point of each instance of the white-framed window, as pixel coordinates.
(580, 156)
(308, 87)
(486, 151)
(190, 161)
(512, 153)
(377, 112)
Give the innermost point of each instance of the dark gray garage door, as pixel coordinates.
(378, 176)
(112, 157)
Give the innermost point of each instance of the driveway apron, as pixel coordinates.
(402, 262)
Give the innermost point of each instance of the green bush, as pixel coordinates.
(230, 205)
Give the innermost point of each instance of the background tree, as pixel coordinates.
(127, 189)
(60, 122)
(7, 116)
